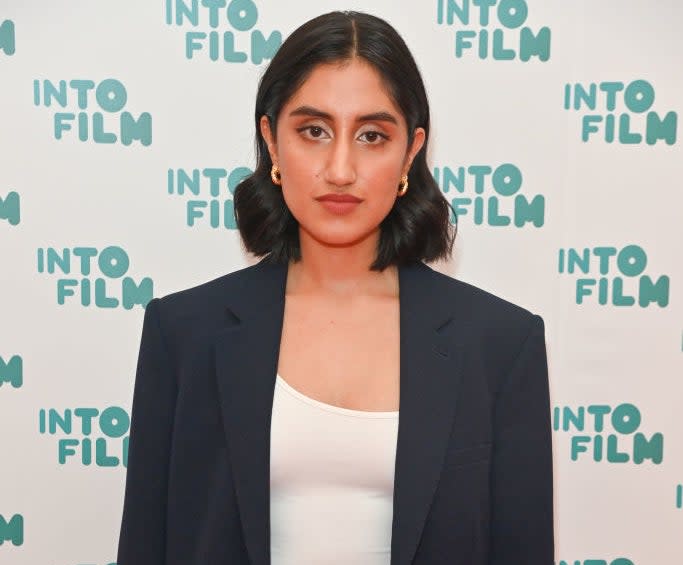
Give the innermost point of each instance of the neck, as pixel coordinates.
(340, 270)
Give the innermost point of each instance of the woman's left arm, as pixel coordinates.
(522, 468)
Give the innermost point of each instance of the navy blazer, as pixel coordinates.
(473, 475)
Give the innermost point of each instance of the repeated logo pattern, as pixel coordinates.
(100, 118)
(81, 428)
(12, 529)
(617, 561)
(490, 196)
(7, 37)
(88, 236)
(240, 42)
(10, 208)
(618, 276)
(621, 113)
(608, 434)
(12, 371)
(207, 194)
(102, 281)
(494, 29)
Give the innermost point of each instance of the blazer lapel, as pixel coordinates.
(429, 377)
(246, 355)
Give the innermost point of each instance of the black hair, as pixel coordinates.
(418, 227)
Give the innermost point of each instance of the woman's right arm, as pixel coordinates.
(142, 538)
(522, 531)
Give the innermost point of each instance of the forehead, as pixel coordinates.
(345, 90)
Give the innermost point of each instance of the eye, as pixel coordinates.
(313, 132)
(373, 137)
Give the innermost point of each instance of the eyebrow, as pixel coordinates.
(315, 113)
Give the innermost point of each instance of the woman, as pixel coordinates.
(340, 401)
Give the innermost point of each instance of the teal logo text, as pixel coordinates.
(10, 208)
(97, 278)
(620, 113)
(223, 30)
(207, 194)
(617, 561)
(490, 195)
(12, 530)
(499, 32)
(616, 276)
(93, 436)
(98, 111)
(608, 433)
(7, 38)
(12, 371)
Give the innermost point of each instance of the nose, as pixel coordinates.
(340, 168)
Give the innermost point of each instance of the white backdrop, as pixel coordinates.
(99, 212)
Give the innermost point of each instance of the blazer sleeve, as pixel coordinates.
(522, 469)
(142, 539)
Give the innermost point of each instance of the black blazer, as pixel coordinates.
(473, 475)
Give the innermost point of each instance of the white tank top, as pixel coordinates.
(331, 482)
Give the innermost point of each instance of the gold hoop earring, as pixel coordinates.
(275, 175)
(403, 185)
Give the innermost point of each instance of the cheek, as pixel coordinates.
(300, 164)
(380, 174)
(299, 181)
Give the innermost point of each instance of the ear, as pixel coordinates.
(269, 138)
(418, 141)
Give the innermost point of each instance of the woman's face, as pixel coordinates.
(341, 134)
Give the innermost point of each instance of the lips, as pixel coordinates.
(339, 204)
(332, 197)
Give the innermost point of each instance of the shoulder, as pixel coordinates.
(490, 323)
(495, 334)
(207, 302)
(207, 292)
(474, 305)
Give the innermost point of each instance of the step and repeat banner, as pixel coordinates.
(125, 127)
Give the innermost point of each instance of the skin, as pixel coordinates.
(341, 133)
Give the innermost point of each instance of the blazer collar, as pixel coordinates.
(247, 353)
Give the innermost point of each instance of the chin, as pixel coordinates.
(342, 237)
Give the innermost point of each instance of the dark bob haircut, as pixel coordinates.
(418, 227)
